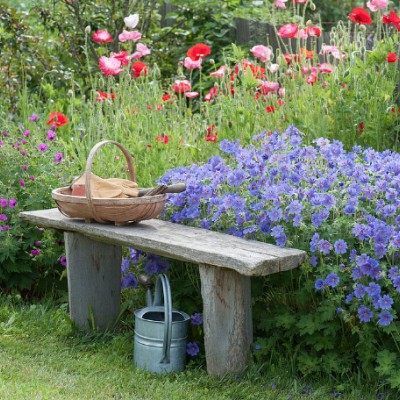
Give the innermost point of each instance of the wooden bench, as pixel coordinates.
(226, 263)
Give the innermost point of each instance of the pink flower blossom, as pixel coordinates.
(131, 21)
(190, 64)
(110, 65)
(280, 4)
(267, 87)
(375, 5)
(129, 35)
(220, 72)
(141, 51)
(6, 227)
(211, 94)
(33, 117)
(51, 135)
(42, 146)
(26, 133)
(24, 167)
(3, 202)
(12, 203)
(3, 217)
(191, 95)
(181, 86)
(102, 36)
(288, 31)
(326, 49)
(21, 182)
(122, 57)
(35, 252)
(273, 68)
(261, 52)
(58, 157)
(325, 68)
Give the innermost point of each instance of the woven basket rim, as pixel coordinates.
(69, 198)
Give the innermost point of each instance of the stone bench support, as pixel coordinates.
(226, 264)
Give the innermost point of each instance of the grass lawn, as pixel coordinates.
(42, 356)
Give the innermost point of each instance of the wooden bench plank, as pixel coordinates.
(180, 242)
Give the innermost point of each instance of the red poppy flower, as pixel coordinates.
(103, 96)
(391, 57)
(139, 68)
(211, 134)
(198, 51)
(361, 127)
(164, 139)
(393, 19)
(270, 109)
(58, 119)
(166, 97)
(360, 16)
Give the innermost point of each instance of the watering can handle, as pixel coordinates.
(163, 280)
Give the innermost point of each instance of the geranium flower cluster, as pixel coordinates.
(22, 154)
(342, 207)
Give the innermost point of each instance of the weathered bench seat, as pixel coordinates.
(226, 264)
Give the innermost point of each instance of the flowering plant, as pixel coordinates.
(31, 161)
(342, 207)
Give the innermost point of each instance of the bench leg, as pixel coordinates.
(228, 329)
(94, 281)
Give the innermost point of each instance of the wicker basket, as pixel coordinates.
(119, 211)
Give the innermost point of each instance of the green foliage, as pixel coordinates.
(29, 257)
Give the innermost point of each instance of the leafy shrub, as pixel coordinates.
(342, 207)
(31, 164)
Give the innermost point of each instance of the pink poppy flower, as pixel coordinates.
(211, 94)
(375, 5)
(191, 95)
(190, 64)
(220, 72)
(313, 31)
(288, 31)
(267, 87)
(141, 51)
(131, 21)
(326, 49)
(325, 68)
(12, 203)
(102, 36)
(129, 35)
(261, 52)
(3, 202)
(280, 4)
(122, 57)
(181, 86)
(110, 65)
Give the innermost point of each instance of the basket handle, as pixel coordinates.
(167, 302)
(88, 171)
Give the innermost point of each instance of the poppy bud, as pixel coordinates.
(88, 29)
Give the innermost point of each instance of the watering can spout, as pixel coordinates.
(146, 282)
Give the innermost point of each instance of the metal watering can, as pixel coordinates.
(160, 332)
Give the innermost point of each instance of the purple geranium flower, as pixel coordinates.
(192, 348)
